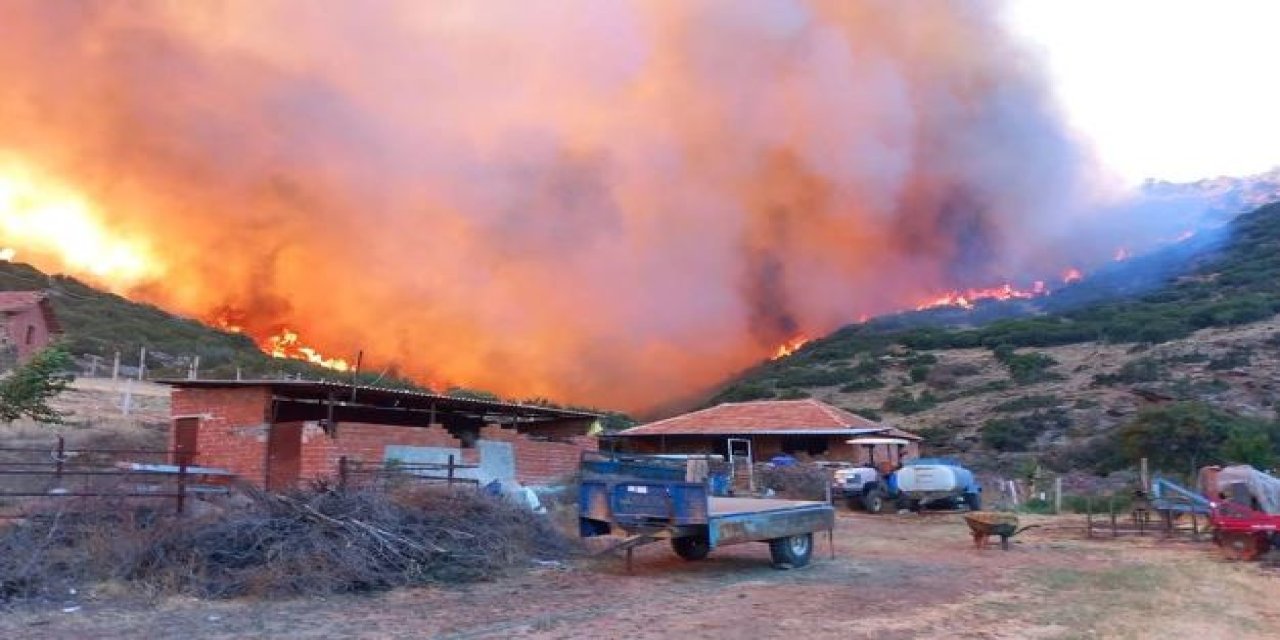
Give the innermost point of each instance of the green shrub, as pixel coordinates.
(1018, 434)
(1027, 403)
(1235, 358)
(919, 373)
(1139, 370)
(905, 403)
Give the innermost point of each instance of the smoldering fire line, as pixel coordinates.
(605, 202)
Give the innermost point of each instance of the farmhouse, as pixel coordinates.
(807, 429)
(27, 325)
(279, 433)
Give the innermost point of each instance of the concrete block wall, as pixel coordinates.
(233, 427)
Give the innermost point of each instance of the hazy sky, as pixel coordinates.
(1171, 89)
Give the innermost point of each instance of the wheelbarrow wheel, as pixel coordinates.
(791, 551)
(691, 548)
(1243, 546)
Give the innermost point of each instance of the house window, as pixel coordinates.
(812, 445)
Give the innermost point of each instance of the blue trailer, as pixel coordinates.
(647, 501)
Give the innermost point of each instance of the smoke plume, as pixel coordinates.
(601, 201)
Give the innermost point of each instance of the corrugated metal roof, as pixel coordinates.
(321, 389)
(766, 417)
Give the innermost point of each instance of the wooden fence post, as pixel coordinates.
(1088, 517)
(450, 472)
(342, 473)
(1057, 495)
(59, 458)
(182, 483)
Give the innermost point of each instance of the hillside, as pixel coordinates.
(97, 323)
(1056, 372)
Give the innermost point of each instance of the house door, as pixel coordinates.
(284, 456)
(742, 473)
(186, 440)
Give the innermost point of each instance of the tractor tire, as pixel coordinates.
(791, 552)
(973, 501)
(874, 501)
(691, 548)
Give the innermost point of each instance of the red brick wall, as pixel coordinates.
(541, 462)
(362, 442)
(17, 326)
(233, 435)
(233, 428)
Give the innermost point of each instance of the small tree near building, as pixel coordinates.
(26, 391)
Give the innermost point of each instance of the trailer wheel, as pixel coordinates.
(691, 548)
(874, 501)
(973, 501)
(791, 551)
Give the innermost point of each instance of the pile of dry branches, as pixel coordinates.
(329, 542)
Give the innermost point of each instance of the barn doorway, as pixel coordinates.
(284, 456)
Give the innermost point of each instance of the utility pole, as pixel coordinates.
(115, 367)
(142, 363)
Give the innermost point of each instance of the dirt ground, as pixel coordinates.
(892, 577)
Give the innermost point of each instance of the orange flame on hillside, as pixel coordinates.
(287, 345)
(1072, 275)
(969, 297)
(789, 347)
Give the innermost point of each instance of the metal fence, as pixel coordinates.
(37, 477)
(354, 474)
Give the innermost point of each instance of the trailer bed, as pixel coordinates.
(720, 506)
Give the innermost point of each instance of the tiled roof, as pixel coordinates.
(15, 301)
(806, 416)
(19, 300)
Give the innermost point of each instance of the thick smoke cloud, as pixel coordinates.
(602, 201)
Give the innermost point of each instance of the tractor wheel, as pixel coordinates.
(1243, 546)
(874, 501)
(691, 548)
(791, 552)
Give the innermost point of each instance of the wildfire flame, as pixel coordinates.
(1072, 275)
(967, 298)
(287, 345)
(789, 347)
(1122, 254)
(44, 216)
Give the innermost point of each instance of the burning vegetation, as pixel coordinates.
(561, 234)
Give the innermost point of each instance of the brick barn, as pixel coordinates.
(279, 433)
(807, 429)
(27, 325)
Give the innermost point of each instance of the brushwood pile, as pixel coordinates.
(319, 542)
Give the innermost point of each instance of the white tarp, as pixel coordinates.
(1264, 488)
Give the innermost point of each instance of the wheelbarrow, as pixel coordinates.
(984, 524)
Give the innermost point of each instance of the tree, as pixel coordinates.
(28, 388)
(1187, 435)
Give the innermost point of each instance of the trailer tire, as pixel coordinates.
(791, 552)
(691, 548)
(973, 501)
(874, 501)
